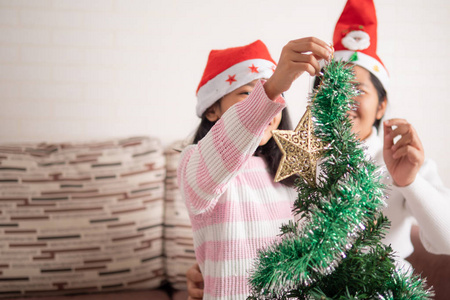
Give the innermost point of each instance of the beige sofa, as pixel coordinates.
(97, 217)
(105, 220)
(436, 268)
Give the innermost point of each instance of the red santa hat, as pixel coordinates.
(229, 69)
(355, 38)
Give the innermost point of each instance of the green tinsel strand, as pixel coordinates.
(340, 211)
(375, 230)
(403, 286)
(360, 273)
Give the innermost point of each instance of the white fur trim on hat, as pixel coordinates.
(367, 62)
(231, 79)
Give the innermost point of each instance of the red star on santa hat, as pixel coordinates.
(231, 78)
(254, 69)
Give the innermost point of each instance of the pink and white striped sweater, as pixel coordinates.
(234, 205)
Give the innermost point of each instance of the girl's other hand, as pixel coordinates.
(194, 282)
(296, 57)
(404, 158)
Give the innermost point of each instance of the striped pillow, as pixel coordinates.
(81, 217)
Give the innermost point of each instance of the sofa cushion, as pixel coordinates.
(81, 217)
(141, 295)
(179, 244)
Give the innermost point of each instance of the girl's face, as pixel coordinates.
(368, 107)
(216, 111)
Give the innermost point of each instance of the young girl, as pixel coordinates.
(416, 192)
(227, 175)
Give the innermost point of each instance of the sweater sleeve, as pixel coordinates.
(207, 167)
(429, 202)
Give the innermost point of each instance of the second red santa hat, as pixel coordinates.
(355, 38)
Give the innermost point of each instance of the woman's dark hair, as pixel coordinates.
(381, 95)
(270, 151)
(381, 92)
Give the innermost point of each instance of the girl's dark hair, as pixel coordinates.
(381, 92)
(270, 151)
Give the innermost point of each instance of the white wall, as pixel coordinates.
(89, 69)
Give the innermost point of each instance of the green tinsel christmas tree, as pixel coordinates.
(337, 253)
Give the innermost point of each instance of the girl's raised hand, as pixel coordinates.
(297, 57)
(404, 158)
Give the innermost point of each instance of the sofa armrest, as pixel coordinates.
(436, 268)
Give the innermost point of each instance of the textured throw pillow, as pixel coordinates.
(179, 245)
(81, 217)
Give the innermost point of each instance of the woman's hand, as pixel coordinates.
(194, 282)
(404, 158)
(296, 57)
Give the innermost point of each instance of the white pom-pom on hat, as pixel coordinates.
(356, 40)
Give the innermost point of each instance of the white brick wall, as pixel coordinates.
(87, 69)
(27, 3)
(24, 36)
(83, 38)
(8, 17)
(23, 73)
(9, 54)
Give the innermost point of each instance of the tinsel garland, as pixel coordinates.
(337, 253)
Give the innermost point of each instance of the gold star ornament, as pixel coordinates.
(301, 150)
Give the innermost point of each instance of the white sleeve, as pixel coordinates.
(428, 200)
